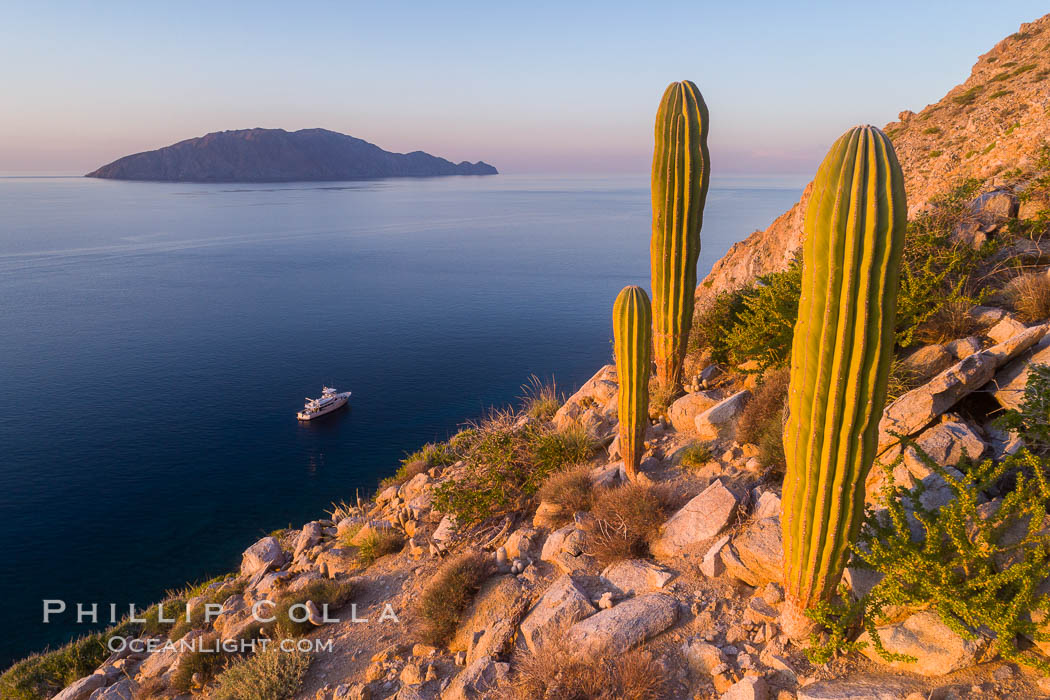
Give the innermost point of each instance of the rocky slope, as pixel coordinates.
(276, 155)
(984, 128)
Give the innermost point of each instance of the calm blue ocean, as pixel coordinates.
(157, 339)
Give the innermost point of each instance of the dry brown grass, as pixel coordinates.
(661, 398)
(378, 543)
(1030, 296)
(152, 689)
(761, 423)
(569, 489)
(950, 323)
(448, 594)
(540, 399)
(558, 673)
(626, 520)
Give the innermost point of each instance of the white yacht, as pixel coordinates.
(330, 400)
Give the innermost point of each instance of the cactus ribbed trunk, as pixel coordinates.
(632, 337)
(840, 361)
(681, 175)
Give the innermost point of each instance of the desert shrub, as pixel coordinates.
(322, 592)
(938, 284)
(762, 421)
(696, 455)
(506, 462)
(43, 675)
(762, 325)
(378, 543)
(903, 378)
(272, 674)
(1032, 420)
(205, 662)
(560, 672)
(661, 397)
(448, 593)
(1030, 296)
(977, 566)
(626, 520)
(540, 399)
(968, 97)
(570, 489)
(432, 454)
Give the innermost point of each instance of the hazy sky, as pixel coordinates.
(527, 86)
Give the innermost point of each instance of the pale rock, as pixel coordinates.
(759, 553)
(358, 691)
(445, 529)
(719, 421)
(874, 688)
(703, 517)
(748, 688)
(927, 361)
(500, 600)
(605, 601)
(308, 537)
(264, 554)
(683, 412)
(520, 542)
(1007, 328)
(711, 565)
(368, 530)
(947, 444)
(548, 515)
(701, 657)
(1011, 380)
(593, 406)
(937, 648)
(622, 627)
(633, 576)
(995, 207)
(412, 674)
(986, 316)
(387, 495)
(347, 524)
(414, 487)
(608, 476)
(915, 409)
(964, 347)
(337, 560)
(767, 506)
(561, 605)
(477, 680)
(124, 689)
(82, 689)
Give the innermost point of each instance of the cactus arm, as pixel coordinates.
(680, 180)
(632, 338)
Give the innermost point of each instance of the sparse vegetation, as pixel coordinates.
(448, 594)
(934, 154)
(323, 592)
(626, 520)
(272, 674)
(540, 399)
(429, 456)
(206, 595)
(570, 489)
(968, 97)
(199, 667)
(559, 672)
(1032, 420)
(696, 455)
(930, 130)
(378, 543)
(762, 422)
(1030, 296)
(507, 460)
(43, 675)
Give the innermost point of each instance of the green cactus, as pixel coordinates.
(681, 175)
(840, 361)
(633, 337)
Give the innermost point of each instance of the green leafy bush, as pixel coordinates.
(506, 462)
(378, 543)
(762, 421)
(696, 455)
(1033, 419)
(977, 566)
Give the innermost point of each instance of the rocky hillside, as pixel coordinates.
(276, 155)
(985, 128)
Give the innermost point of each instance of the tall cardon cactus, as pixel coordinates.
(840, 361)
(632, 338)
(681, 174)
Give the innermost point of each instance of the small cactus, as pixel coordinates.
(681, 175)
(840, 361)
(632, 337)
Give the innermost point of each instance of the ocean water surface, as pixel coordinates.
(157, 339)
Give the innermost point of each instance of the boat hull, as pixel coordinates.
(341, 400)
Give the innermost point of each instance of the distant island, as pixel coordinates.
(276, 155)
